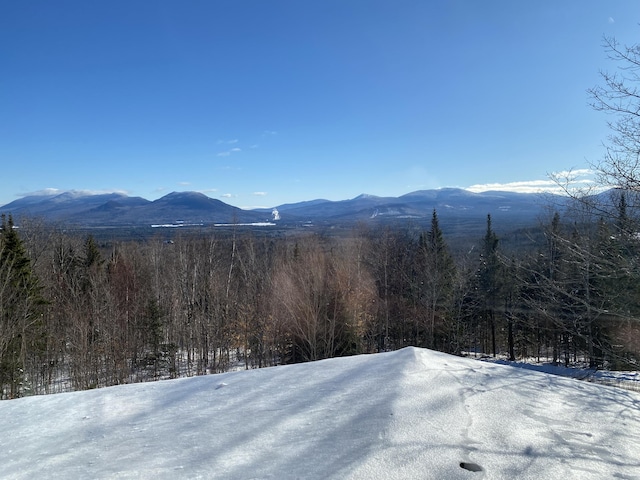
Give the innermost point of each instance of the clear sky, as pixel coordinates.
(260, 103)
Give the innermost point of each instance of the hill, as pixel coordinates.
(460, 211)
(411, 413)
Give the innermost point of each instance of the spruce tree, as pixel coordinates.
(490, 280)
(20, 308)
(437, 270)
(92, 253)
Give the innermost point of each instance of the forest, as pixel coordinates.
(79, 313)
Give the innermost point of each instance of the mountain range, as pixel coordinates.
(193, 208)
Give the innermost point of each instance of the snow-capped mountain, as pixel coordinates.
(116, 209)
(454, 207)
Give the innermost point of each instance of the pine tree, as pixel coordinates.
(92, 254)
(20, 310)
(490, 280)
(436, 274)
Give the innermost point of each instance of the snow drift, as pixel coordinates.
(407, 414)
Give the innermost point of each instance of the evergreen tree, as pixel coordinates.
(436, 277)
(92, 254)
(20, 312)
(490, 281)
(152, 332)
(623, 221)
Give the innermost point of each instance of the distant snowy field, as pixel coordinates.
(411, 413)
(629, 380)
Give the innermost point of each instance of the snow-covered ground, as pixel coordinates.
(411, 413)
(629, 380)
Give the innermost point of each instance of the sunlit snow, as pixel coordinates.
(407, 414)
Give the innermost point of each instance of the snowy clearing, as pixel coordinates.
(407, 414)
(629, 380)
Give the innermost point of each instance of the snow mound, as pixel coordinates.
(407, 414)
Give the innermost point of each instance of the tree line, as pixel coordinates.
(79, 314)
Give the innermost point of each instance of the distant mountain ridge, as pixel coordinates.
(448, 202)
(117, 209)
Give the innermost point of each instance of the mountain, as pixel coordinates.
(458, 210)
(67, 205)
(116, 209)
(420, 204)
(408, 414)
(29, 200)
(191, 208)
(289, 206)
(362, 206)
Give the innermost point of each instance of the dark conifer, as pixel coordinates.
(20, 309)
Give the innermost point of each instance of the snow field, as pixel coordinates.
(407, 414)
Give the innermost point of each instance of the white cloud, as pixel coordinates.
(226, 153)
(184, 184)
(226, 195)
(99, 192)
(260, 194)
(43, 192)
(558, 182)
(57, 191)
(573, 174)
(536, 186)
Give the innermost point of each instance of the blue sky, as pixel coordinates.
(260, 103)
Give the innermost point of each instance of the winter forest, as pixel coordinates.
(80, 313)
(77, 314)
